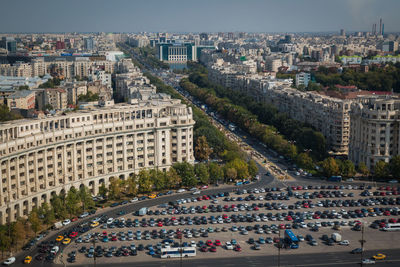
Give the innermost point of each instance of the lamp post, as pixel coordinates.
(279, 248)
(362, 241)
(94, 247)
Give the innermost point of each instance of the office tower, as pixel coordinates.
(342, 32)
(89, 43)
(60, 45)
(9, 44)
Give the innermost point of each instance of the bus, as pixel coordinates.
(291, 239)
(176, 252)
(392, 227)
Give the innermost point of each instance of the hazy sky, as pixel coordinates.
(196, 15)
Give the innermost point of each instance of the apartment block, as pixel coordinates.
(375, 130)
(47, 156)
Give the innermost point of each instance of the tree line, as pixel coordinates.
(376, 79)
(64, 205)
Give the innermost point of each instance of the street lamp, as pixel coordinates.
(362, 241)
(279, 248)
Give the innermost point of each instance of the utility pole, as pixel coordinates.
(362, 241)
(181, 249)
(279, 248)
(94, 247)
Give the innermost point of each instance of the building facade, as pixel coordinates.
(39, 158)
(375, 131)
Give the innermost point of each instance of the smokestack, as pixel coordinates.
(380, 26)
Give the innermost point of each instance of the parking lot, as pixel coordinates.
(238, 218)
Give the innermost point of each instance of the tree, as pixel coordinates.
(48, 213)
(86, 198)
(216, 172)
(186, 171)
(132, 185)
(23, 87)
(103, 190)
(381, 170)
(201, 172)
(157, 179)
(330, 167)
(144, 181)
(60, 210)
(34, 221)
(363, 169)
(201, 150)
(347, 168)
(304, 160)
(230, 174)
(6, 115)
(72, 201)
(240, 166)
(173, 179)
(252, 168)
(394, 167)
(18, 231)
(5, 240)
(114, 190)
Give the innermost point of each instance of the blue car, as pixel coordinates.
(151, 252)
(233, 242)
(261, 240)
(105, 239)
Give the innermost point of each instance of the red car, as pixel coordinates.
(205, 197)
(392, 220)
(159, 224)
(255, 208)
(237, 248)
(173, 219)
(281, 226)
(386, 213)
(217, 243)
(114, 238)
(213, 249)
(299, 187)
(74, 219)
(224, 216)
(105, 233)
(204, 249)
(73, 234)
(199, 198)
(209, 243)
(289, 218)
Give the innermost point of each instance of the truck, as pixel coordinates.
(143, 211)
(335, 179)
(336, 237)
(58, 225)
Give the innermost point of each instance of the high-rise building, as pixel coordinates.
(342, 32)
(9, 44)
(380, 26)
(89, 44)
(60, 45)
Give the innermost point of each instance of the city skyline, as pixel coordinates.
(208, 16)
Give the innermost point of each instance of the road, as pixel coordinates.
(342, 259)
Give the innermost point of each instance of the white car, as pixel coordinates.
(110, 220)
(9, 261)
(66, 222)
(193, 189)
(193, 244)
(83, 215)
(181, 190)
(134, 199)
(196, 192)
(229, 245)
(344, 243)
(368, 261)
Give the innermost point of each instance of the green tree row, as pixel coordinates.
(247, 111)
(88, 97)
(376, 79)
(7, 115)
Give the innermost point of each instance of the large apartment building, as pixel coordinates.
(375, 130)
(328, 115)
(42, 157)
(65, 67)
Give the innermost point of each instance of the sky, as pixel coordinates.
(197, 15)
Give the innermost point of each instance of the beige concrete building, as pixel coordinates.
(56, 97)
(23, 99)
(80, 66)
(375, 130)
(42, 157)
